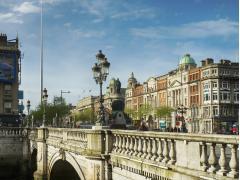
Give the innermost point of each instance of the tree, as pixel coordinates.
(87, 115)
(144, 110)
(163, 111)
(52, 109)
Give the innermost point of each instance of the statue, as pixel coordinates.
(118, 86)
(118, 120)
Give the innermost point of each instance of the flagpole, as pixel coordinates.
(41, 54)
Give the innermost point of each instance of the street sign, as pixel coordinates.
(162, 124)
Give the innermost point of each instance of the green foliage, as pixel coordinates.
(163, 111)
(144, 110)
(51, 110)
(86, 115)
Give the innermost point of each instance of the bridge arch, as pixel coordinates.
(65, 156)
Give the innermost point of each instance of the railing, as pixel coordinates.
(12, 131)
(70, 137)
(215, 154)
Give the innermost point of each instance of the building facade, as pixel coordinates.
(113, 92)
(10, 68)
(220, 95)
(205, 99)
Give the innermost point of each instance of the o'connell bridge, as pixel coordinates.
(86, 154)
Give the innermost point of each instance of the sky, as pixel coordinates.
(146, 37)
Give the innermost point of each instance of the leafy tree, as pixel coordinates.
(61, 110)
(87, 115)
(144, 110)
(163, 111)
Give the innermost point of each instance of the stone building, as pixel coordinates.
(137, 102)
(113, 92)
(177, 90)
(132, 83)
(205, 99)
(162, 90)
(10, 68)
(194, 97)
(220, 95)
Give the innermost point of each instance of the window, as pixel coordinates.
(206, 97)
(8, 87)
(205, 86)
(215, 96)
(7, 107)
(7, 104)
(205, 112)
(225, 111)
(226, 72)
(215, 110)
(225, 96)
(214, 84)
(236, 97)
(197, 76)
(214, 71)
(205, 73)
(225, 84)
(236, 85)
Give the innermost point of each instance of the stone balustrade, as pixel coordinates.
(12, 131)
(69, 137)
(148, 154)
(214, 154)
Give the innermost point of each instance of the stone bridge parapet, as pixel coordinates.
(129, 154)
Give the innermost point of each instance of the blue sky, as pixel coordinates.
(147, 37)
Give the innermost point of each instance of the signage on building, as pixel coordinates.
(162, 124)
(21, 108)
(178, 124)
(7, 68)
(20, 94)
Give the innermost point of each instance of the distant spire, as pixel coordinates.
(132, 75)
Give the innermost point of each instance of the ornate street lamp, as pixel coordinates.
(182, 109)
(45, 96)
(100, 72)
(28, 109)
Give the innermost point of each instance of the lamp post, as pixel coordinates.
(100, 72)
(28, 109)
(45, 96)
(32, 121)
(61, 95)
(181, 109)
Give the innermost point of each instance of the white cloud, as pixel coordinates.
(200, 52)
(202, 29)
(146, 13)
(98, 20)
(10, 18)
(52, 2)
(95, 7)
(57, 16)
(68, 24)
(27, 7)
(78, 33)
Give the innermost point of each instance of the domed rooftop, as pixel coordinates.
(187, 59)
(112, 81)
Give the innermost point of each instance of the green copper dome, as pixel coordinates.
(187, 59)
(112, 81)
